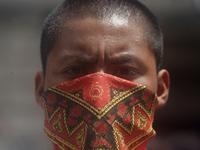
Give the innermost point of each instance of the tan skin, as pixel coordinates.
(90, 45)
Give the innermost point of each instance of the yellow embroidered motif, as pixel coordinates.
(56, 140)
(128, 130)
(141, 121)
(118, 94)
(49, 118)
(98, 113)
(70, 133)
(77, 95)
(96, 91)
(80, 138)
(57, 125)
(121, 136)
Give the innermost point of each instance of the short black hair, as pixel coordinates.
(101, 9)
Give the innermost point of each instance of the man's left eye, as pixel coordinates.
(74, 70)
(125, 72)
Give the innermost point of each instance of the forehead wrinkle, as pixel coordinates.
(122, 58)
(127, 59)
(79, 57)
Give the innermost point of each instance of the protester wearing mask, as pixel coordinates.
(101, 81)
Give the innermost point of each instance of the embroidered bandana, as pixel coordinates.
(99, 112)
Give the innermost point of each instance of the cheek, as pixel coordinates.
(52, 79)
(149, 82)
(51, 76)
(47, 82)
(153, 85)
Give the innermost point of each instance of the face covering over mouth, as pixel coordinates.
(99, 112)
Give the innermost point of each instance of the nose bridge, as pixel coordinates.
(101, 62)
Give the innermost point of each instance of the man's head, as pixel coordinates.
(119, 37)
(130, 11)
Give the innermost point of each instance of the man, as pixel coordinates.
(101, 69)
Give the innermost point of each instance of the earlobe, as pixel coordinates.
(39, 86)
(163, 87)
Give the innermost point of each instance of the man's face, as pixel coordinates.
(90, 45)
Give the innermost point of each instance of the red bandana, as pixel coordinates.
(99, 112)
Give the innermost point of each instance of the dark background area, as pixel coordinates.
(21, 119)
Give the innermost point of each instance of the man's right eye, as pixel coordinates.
(74, 70)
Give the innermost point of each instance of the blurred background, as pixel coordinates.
(21, 119)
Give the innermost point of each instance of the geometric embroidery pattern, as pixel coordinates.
(99, 112)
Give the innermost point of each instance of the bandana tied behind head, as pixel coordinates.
(99, 112)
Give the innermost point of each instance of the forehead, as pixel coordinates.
(107, 37)
(114, 23)
(109, 32)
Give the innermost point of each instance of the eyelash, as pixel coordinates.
(130, 72)
(73, 70)
(123, 72)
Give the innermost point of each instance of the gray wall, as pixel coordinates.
(21, 119)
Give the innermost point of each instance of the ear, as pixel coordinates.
(39, 86)
(163, 87)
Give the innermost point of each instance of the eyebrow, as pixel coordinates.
(119, 58)
(129, 60)
(74, 58)
(126, 58)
